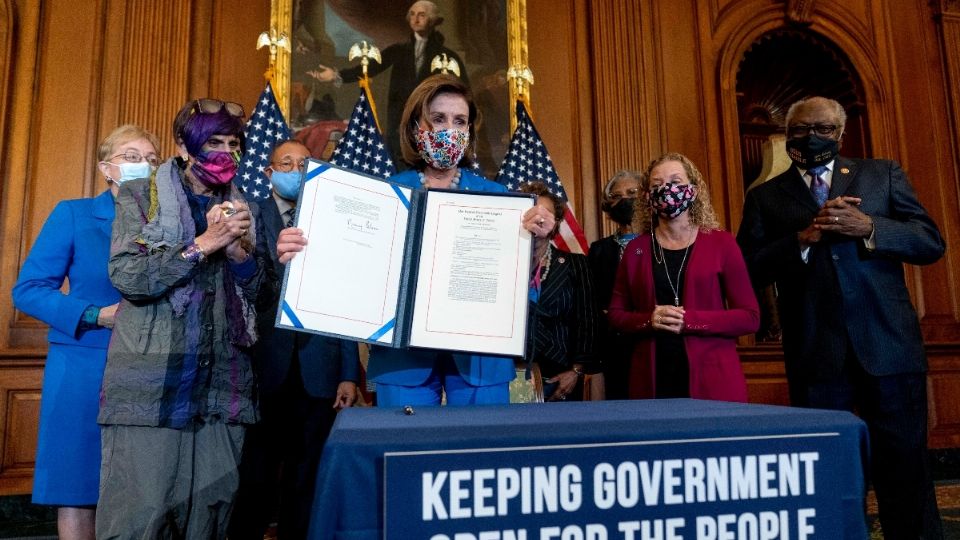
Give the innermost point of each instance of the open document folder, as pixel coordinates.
(400, 267)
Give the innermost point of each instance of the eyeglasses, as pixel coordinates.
(213, 106)
(131, 156)
(630, 194)
(288, 165)
(801, 130)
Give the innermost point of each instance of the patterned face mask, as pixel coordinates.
(442, 149)
(671, 199)
(215, 169)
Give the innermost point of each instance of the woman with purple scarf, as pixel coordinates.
(178, 386)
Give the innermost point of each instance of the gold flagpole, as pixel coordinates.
(366, 53)
(277, 38)
(518, 72)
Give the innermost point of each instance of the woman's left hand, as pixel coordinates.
(566, 383)
(539, 221)
(238, 220)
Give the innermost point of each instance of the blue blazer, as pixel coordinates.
(845, 294)
(324, 361)
(73, 244)
(411, 367)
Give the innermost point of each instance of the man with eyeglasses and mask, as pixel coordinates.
(302, 381)
(177, 391)
(833, 234)
(604, 256)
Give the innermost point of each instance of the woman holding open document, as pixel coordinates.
(437, 139)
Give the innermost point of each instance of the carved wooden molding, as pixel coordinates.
(800, 11)
(945, 7)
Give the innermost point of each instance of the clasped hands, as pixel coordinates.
(538, 220)
(227, 226)
(667, 318)
(841, 215)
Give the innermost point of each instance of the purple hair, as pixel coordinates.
(193, 128)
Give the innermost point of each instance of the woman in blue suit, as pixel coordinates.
(437, 137)
(74, 245)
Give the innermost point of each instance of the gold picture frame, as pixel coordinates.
(498, 83)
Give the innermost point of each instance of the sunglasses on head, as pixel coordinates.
(213, 106)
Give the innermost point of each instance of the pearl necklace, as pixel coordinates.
(454, 182)
(545, 261)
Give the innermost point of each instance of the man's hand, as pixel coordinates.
(346, 395)
(323, 73)
(290, 242)
(843, 216)
(809, 236)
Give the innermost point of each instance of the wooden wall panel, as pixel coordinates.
(76, 70)
(144, 77)
(617, 82)
(19, 418)
(942, 384)
(559, 44)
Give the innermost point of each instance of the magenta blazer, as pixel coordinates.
(719, 303)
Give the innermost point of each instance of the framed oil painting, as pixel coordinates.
(316, 84)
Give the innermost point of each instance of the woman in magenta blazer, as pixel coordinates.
(682, 289)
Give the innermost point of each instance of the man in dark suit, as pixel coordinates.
(833, 234)
(411, 64)
(303, 379)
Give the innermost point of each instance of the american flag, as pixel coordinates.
(527, 159)
(265, 127)
(362, 149)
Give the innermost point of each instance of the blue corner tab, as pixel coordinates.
(293, 316)
(317, 171)
(383, 330)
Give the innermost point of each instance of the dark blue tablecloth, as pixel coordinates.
(351, 486)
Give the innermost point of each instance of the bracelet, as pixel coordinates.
(193, 253)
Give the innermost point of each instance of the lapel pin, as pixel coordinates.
(844, 170)
(562, 260)
(639, 251)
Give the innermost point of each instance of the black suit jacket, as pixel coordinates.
(565, 317)
(845, 297)
(324, 361)
(604, 258)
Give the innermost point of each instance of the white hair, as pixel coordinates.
(815, 100)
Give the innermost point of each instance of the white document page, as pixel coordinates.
(347, 280)
(472, 285)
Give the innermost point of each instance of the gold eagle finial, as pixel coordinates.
(365, 52)
(444, 64)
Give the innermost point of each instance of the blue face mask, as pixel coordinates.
(286, 184)
(132, 171)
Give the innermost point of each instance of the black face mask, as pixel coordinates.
(812, 150)
(622, 212)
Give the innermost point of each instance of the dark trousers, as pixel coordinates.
(278, 470)
(894, 408)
